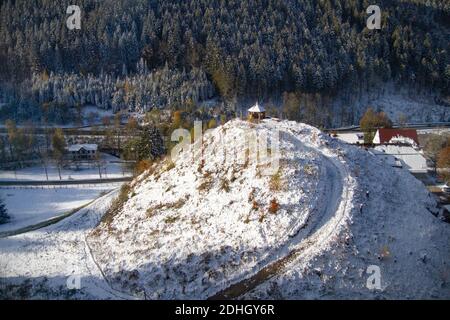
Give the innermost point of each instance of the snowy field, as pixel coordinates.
(112, 169)
(40, 264)
(29, 206)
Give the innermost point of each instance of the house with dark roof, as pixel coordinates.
(82, 151)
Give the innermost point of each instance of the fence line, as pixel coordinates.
(62, 186)
(63, 182)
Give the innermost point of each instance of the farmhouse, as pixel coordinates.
(257, 112)
(82, 151)
(396, 136)
(400, 148)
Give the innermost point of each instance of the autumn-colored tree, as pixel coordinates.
(12, 133)
(117, 125)
(118, 119)
(383, 120)
(131, 126)
(29, 136)
(59, 148)
(176, 119)
(142, 166)
(291, 106)
(106, 121)
(433, 146)
(443, 163)
(371, 121)
(402, 120)
(153, 117)
(18, 142)
(212, 124)
(223, 81)
(44, 75)
(367, 124)
(223, 119)
(189, 105)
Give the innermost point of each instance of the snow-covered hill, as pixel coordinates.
(394, 230)
(191, 229)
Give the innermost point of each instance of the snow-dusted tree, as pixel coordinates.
(148, 145)
(286, 46)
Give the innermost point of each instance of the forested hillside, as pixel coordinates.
(242, 48)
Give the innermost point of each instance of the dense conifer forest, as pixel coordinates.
(144, 54)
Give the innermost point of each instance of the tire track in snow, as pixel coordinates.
(109, 288)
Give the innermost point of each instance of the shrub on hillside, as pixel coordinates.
(142, 166)
(225, 185)
(371, 121)
(274, 206)
(275, 182)
(117, 204)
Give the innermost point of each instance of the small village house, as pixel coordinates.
(77, 152)
(397, 147)
(257, 112)
(396, 136)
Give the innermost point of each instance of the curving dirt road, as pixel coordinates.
(319, 229)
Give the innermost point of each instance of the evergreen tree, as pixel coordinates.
(171, 51)
(4, 217)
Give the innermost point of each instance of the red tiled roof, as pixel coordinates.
(387, 134)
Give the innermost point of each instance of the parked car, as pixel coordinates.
(446, 188)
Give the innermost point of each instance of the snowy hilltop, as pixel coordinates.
(290, 214)
(326, 220)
